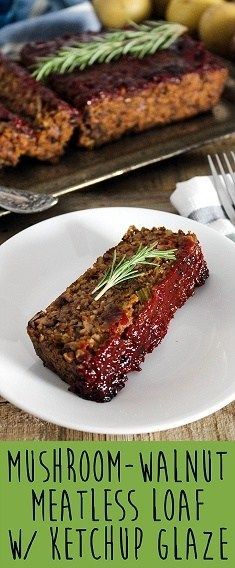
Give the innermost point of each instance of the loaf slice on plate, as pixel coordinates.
(92, 340)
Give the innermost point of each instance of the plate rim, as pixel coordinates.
(129, 208)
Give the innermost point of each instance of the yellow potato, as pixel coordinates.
(160, 8)
(188, 12)
(118, 13)
(217, 28)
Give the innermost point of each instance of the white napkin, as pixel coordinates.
(197, 199)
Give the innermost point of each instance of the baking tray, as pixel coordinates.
(79, 169)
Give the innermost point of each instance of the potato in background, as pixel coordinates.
(188, 12)
(118, 13)
(217, 28)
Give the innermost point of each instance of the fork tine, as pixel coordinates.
(232, 174)
(222, 192)
(212, 167)
(227, 181)
(221, 169)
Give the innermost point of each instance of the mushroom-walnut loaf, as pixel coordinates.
(16, 137)
(93, 343)
(131, 95)
(51, 119)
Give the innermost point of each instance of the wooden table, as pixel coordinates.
(150, 187)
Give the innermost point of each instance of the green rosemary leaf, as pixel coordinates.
(143, 39)
(126, 268)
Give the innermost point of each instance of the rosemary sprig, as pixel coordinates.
(142, 39)
(126, 269)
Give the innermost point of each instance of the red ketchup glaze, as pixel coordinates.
(36, 88)
(17, 122)
(131, 74)
(102, 375)
(81, 88)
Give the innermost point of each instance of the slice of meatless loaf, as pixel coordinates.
(15, 137)
(53, 120)
(93, 343)
(131, 95)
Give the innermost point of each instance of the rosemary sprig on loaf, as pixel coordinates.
(143, 39)
(126, 268)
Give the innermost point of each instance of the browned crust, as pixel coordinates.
(52, 120)
(15, 137)
(13, 145)
(110, 118)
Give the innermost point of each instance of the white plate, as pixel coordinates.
(190, 375)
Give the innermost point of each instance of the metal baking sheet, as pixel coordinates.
(79, 169)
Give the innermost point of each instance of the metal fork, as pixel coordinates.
(223, 175)
(19, 201)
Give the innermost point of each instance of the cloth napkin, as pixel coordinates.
(197, 199)
(35, 20)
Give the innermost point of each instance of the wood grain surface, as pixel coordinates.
(151, 188)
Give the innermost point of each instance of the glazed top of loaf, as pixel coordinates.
(28, 85)
(17, 123)
(184, 56)
(30, 51)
